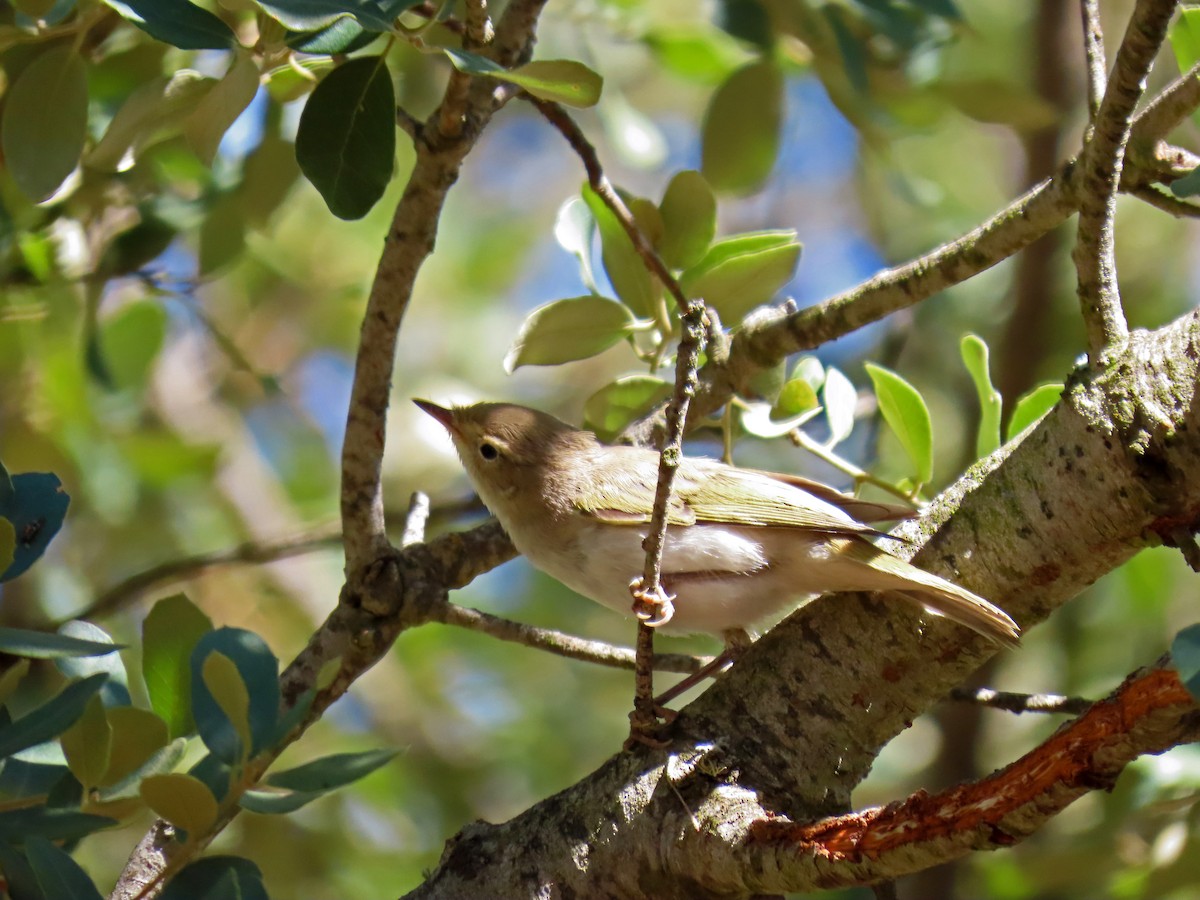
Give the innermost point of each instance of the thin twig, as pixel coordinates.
(415, 520)
(430, 11)
(1101, 164)
(1168, 203)
(1093, 51)
(1021, 703)
(409, 124)
(558, 643)
(1165, 112)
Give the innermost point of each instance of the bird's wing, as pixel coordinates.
(862, 510)
(621, 492)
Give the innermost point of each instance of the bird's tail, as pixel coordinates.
(939, 596)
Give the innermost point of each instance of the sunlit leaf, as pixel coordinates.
(574, 229)
(45, 645)
(975, 358)
(220, 107)
(1030, 407)
(560, 80)
(346, 141)
(700, 55)
(795, 397)
(624, 267)
(632, 133)
(841, 402)
(809, 369)
(757, 420)
(116, 690)
(743, 272)
(1184, 35)
(689, 217)
(169, 635)
(905, 411)
(740, 137)
(44, 122)
(614, 406)
(149, 111)
(565, 330)
(182, 800)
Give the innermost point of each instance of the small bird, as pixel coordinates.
(742, 544)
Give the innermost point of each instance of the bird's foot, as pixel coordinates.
(647, 727)
(654, 607)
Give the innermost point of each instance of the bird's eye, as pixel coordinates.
(488, 451)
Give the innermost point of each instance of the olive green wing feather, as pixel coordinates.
(856, 508)
(620, 490)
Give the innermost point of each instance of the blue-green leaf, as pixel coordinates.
(346, 141)
(1185, 656)
(331, 772)
(19, 877)
(51, 718)
(311, 15)
(35, 510)
(60, 876)
(43, 645)
(116, 690)
(48, 823)
(259, 671)
(177, 22)
(975, 358)
(217, 878)
(905, 411)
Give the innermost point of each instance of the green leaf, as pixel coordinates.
(1030, 407)
(130, 340)
(223, 234)
(631, 133)
(177, 22)
(8, 546)
(216, 703)
(689, 215)
(905, 411)
(625, 268)
(574, 229)
(10, 680)
(60, 876)
(35, 509)
(795, 397)
(87, 744)
(43, 645)
(169, 635)
(50, 719)
(275, 803)
(975, 358)
(757, 419)
(1185, 656)
(346, 141)
(162, 760)
(743, 272)
(311, 15)
(854, 54)
(741, 131)
(19, 878)
(44, 122)
(699, 55)
(51, 824)
(841, 403)
(343, 35)
(809, 369)
(182, 800)
(331, 772)
(565, 330)
(116, 690)
(221, 106)
(614, 406)
(217, 878)
(137, 735)
(1184, 35)
(559, 80)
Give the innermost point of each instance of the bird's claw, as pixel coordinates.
(647, 727)
(653, 607)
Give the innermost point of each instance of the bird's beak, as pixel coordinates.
(444, 416)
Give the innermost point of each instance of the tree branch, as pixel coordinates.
(1021, 703)
(1093, 52)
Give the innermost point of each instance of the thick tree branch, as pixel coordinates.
(1100, 174)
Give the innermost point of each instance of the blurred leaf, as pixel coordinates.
(748, 20)
(741, 131)
(742, 272)
(767, 383)
(633, 134)
(217, 878)
(689, 216)
(558, 80)
(905, 411)
(696, 54)
(182, 800)
(130, 341)
(647, 218)
(1188, 185)
(19, 878)
(310, 15)
(975, 358)
(757, 420)
(137, 734)
(177, 22)
(223, 234)
(331, 772)
(169, 635)
(565, 330)
(160, 761)
(1185, 657)
(343, 35)
(614, 406)
(11, 679)
(116, 690)
(36, 510)
(214, 773)
(257, 673)
(1030, 407)
(50, 719)
(220, 107)
(224, 684)
(1000, 101)
(1184, 35)
(574, 229)
(87, 744)
(809, 369)
(60, 876)
(797, 396)
(268, 175)
(148, 111)
(43, 645)
(853, 53)
(346, 141)
(44, 122)
(134, 248)
(50, 824)
(624, 267)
